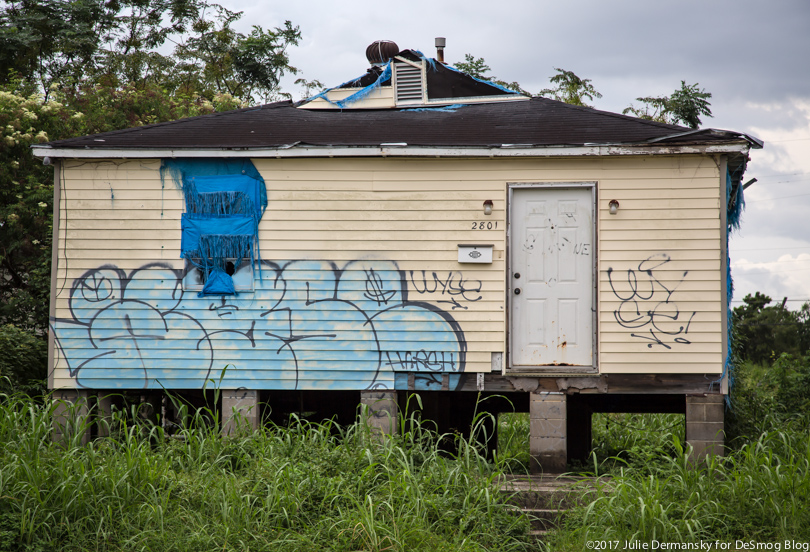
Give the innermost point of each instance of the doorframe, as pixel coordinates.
(547, 370)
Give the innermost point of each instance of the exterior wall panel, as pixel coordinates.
(330, 225)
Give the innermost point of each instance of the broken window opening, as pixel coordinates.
(197, 273)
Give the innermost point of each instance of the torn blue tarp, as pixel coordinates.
(360, 94)
(207, 194)
(181, 168)
(210, 244)
(197, 229)
(445, 108)
(218, 283)
(735, 204)
(216, 252)
(225, 200)
(430, 61)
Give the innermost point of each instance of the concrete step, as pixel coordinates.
(544, 498)
(543, 519)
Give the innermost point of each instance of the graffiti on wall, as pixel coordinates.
(306, 324)
(648, 307)
(454, 289)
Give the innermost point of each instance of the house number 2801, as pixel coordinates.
(485, 225)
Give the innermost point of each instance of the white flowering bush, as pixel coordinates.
(26, 199)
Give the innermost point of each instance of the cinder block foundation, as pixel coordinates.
(381, 407)
(104, 404)
(547, 433)
(70, 415)
(240, 411)
(705, 425)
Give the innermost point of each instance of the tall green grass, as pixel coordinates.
(304, 486)
(639, 441)
(618, 441)
(760, 491)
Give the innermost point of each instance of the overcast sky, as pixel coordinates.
(753, 56)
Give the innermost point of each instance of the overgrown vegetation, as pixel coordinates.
(760, 491)
(765, 331)
(685, 106)
(301, 487)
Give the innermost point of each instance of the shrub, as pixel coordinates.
(23, 360)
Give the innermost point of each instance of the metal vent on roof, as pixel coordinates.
(408, 83)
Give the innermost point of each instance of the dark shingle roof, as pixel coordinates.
(534, 122)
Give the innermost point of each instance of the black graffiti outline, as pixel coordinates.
(448, 287)
(226, 308)
(98, 281)
(405, 302)
(118, 281)
(124, 279)
(414, 360)
(629, 313)
(374, 289)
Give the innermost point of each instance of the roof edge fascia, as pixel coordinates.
(505, 150)
(755, 142)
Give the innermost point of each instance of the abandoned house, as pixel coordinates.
(415, 230)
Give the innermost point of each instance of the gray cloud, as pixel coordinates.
(751, 55)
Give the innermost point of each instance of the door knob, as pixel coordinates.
(517, 291)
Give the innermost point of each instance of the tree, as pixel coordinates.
(685, 105)
(26, 203)
(122, 43)
(23, 360)
(765, 332)
(47, 42)
(218, 60)
(570, 88)
(135, 32)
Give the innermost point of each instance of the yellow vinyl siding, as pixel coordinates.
(334, 209)
(415, 212)
(379, 98)
(673, 218)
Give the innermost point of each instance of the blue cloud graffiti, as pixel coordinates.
(306, 325)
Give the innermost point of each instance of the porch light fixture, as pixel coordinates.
(614, 206)
(488, 207)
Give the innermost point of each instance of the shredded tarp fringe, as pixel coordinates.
(183, 170)
(737, 203)
(734, 209)
(219, 203)
(215, 249)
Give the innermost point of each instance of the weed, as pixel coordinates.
(304, 486)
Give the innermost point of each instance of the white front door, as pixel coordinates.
(551, 272)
